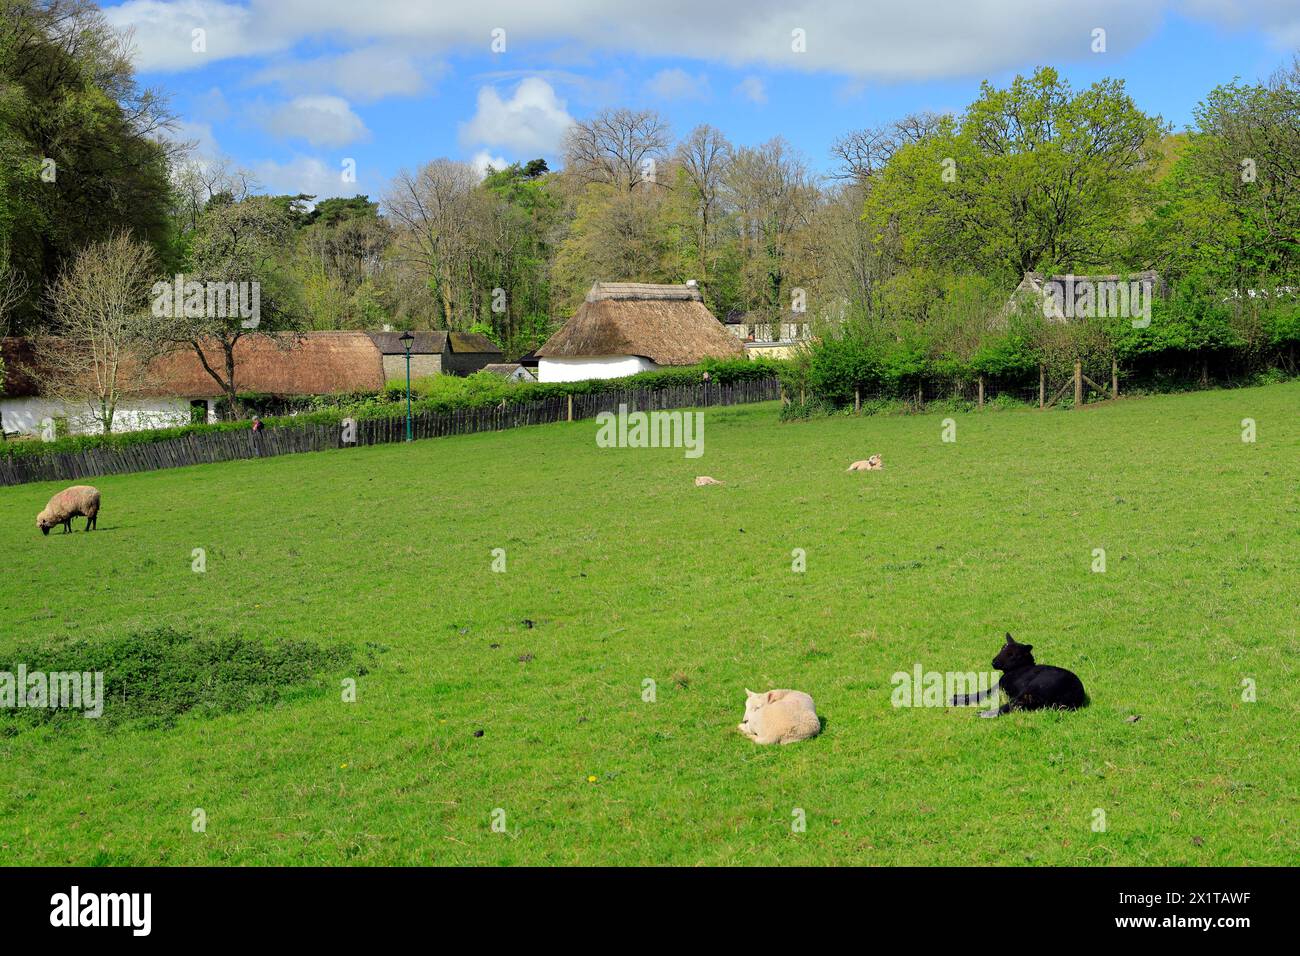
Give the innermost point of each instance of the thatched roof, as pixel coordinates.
(426, 343)
(19, 364)
(311, 363)
(668, 324)
(1040, 287)
(643, 291)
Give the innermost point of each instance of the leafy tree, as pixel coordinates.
(235, 243)
(98, 356)
(1035, 176)
(1229, 213)
(82, 146)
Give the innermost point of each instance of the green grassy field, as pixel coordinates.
(628, 572)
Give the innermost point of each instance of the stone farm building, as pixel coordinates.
(435, 353)
(627, 327)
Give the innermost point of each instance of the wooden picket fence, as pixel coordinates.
(206, 447)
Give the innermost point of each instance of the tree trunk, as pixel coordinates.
(235, 408)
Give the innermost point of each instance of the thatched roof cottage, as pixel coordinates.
(179, 390)
(1065, 298)
(627, 327)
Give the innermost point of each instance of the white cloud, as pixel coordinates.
(307, 174)
(677, 84)
(483, 159)
(1279, 19)
(880, 39)
(752, 89)
(320, 120)
(164, 32)
(531, 122)
(366, 74)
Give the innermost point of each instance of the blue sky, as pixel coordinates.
(290, 89)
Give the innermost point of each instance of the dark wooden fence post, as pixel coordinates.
(1078, 384)
(981, 398)
(1114, 377)
(1042, 385)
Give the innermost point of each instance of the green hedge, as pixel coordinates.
(1246, 339)
(441, 394)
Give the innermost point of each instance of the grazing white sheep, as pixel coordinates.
(68, 504)
(870, 464)
(779, 717)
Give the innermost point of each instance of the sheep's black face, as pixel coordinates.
(45, 530)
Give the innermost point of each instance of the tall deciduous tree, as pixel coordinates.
(98, 356)
(622, 147)
(235, 256)
(432, 210)
(1031, 176)
(1230, 209)
(703, 158)
(772, 196)
(84, 149)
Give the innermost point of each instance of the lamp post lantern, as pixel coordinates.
(406, 339)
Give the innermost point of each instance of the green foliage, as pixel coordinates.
(68, 96)
(1032, 176)
(152, 677)
(1229, 212)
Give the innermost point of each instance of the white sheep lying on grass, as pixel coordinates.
(867, 464)
(779, 717)
(68, 504)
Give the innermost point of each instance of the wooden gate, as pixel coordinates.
(1076, 380)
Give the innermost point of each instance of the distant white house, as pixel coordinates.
(627, 327)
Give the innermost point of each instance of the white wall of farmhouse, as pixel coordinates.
(26, 415)
(591, 366)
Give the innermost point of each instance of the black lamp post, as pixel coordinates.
(406, 339)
